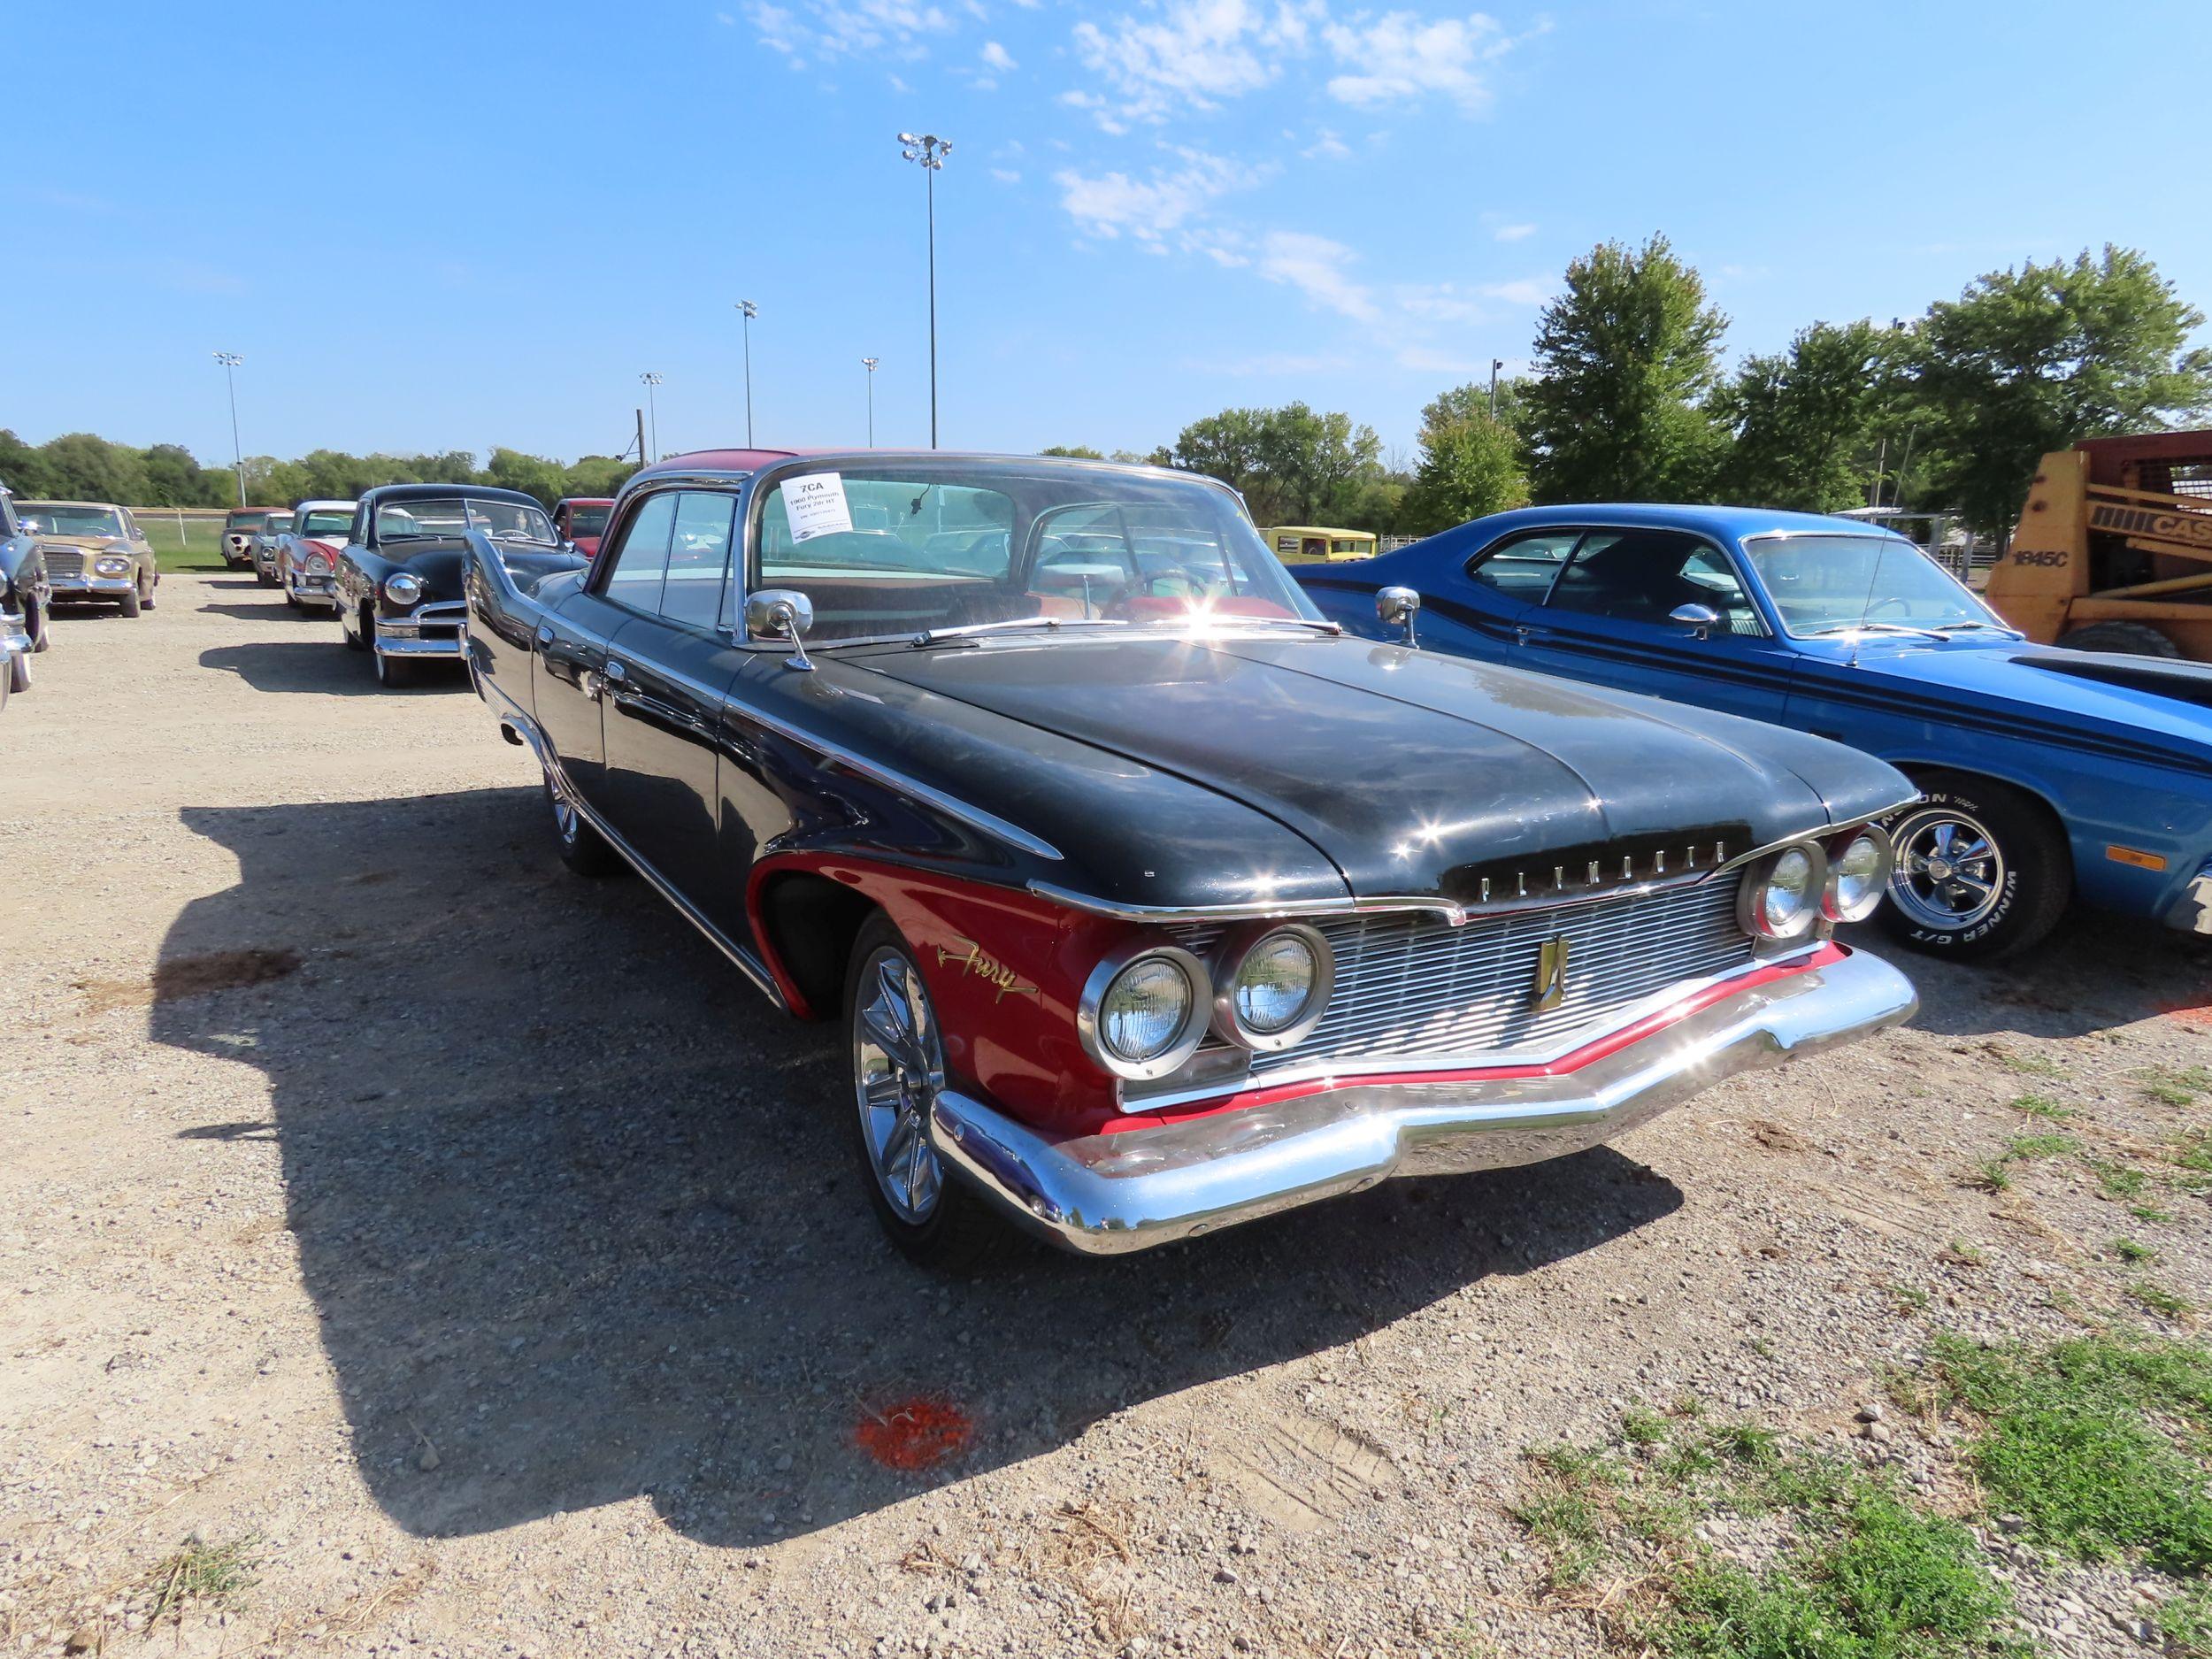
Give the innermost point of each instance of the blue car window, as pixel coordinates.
(1645, 575)
(1525, 566)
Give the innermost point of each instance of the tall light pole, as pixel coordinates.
(869, 364)
(1495, 364)
(928, 151)
(650, 380)
(231, 360)
(747, 310)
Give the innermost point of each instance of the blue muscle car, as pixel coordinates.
(2047, 774)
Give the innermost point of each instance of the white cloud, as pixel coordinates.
(1315, 266)
(1329, 146)
(1527, 291)
(997, 57)
(834, 28)
(1005, 176)
(1401, 55)
(897, 84)
(1192, 53)
(1113, 204)
(1513, 232)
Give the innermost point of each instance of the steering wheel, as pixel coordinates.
(1883, 604)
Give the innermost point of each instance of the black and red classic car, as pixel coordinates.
(1150, 901)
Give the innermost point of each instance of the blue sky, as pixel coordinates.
(448, 226)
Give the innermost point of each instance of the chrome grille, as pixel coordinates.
(64, 561)
(1411, 985)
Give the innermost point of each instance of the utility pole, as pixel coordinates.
(869, 364)
(651, 380)
(1495, 364)
(642, 458)
(231, 360)
(747, 311)
(929, 152)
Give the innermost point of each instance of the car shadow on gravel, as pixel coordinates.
(271, 610)
(576, 1209)
(319, 665)
(2092, 974)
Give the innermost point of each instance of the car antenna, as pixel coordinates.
(1858, 637)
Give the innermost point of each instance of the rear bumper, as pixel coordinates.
(1108, 1195)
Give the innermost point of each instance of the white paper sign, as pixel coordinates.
(815, 505)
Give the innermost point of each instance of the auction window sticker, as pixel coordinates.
(815, 505)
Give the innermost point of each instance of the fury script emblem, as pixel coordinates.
(986, 966)
(1551, 974)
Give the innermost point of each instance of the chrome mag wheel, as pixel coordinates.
(898, 1070)
(1950, 872)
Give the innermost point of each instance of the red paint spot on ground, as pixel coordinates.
(2196, 1016)
(917, 1432)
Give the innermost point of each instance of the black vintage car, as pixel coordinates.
(25, 596)
(396, 585)
(1150, 901)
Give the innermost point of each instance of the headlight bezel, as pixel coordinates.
(404, 588)
(1190, 1031)
(1751, 894)
(1229, 959)
(1837, 848)
(111, 565)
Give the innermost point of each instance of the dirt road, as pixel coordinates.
(469, 1262)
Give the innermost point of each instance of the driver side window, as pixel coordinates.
(1647, 575)
(1524, 567)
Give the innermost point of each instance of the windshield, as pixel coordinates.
(278, 523)
(329, 521)
(586, 521)
(443, 518)
(1831, 584)
(922, 545)
(53, 520)
(247, 519)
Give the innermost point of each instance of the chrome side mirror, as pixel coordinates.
(1397, 607)
(781, 613)
(1700, 619)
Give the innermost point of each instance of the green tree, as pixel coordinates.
(1805, 420)
(1470, 462)
(1626, 360)
(596, 475)
(1074, 452)
(1292, 464)
(82, 467)
(533, 475)
(2027, 361)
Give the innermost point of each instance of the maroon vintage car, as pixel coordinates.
(580, 520)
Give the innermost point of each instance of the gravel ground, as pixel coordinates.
(469, 1247)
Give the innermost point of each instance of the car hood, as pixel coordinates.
(89, 543)
(2147, 708)
(1418, 773)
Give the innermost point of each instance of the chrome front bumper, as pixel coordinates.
(427, 631)
(1108, 1195)
(311, 590)
(2192, 911)
(69, 586)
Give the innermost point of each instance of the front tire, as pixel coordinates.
(134, 602)
(394, 673)
(1983, 869)
(2136, 639)
(34, 619)
(19, 671)
(898, 1070)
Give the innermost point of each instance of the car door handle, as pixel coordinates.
(545, 636)
(615, 672)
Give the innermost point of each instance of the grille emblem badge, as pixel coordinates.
(1551, 974)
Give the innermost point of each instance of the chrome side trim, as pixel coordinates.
(514, 719)
(1108, 1195)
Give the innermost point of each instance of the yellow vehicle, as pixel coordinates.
(2114, 550)
(1314, 544)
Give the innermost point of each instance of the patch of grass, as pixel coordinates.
(2194, 1151)
(1876, 1579)
(2072, 1440)
(2042, 1106)
(2161, 1301)
(2026, 1064)
(2185, 1622)
(2172, 1087)
(1964, 1255)
(1642, 1426)
(2032, 1149)
(1908, 1298)
(2150, 1212)
(201, 1571)
(2118, 1180)
(1989, 1175)
(2129, 1250)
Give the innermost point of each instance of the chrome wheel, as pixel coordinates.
(1950, 869)
(898, 1070)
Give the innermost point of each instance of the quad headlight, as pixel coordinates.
(1271, 985)
(1782, 893)
(1143, 1011)
(1859, 865)
(111, 566)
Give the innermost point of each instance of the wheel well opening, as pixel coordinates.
(809, 923)
(1930, 775)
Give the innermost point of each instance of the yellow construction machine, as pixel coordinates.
(2114, 550)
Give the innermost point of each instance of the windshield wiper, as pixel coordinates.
(1863, 626)
(968, 630)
